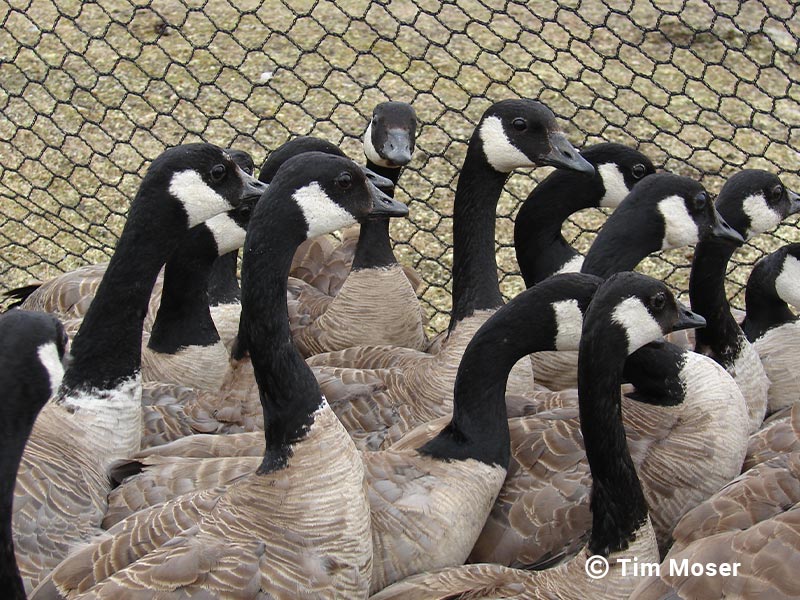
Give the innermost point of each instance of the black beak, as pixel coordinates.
(794, 202)
(687, 319)
(397, 149)
(382, 183)
(252, 188)
(723, 231)
(564, 156)
(385, 206)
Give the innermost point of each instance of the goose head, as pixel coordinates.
(523, 133)
(308, 143)
(204, 179)
(618, 168)
(754, 201)
(391, 134)
(778, 275)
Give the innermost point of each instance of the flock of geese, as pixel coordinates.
(298, 436)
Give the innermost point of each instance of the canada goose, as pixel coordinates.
(662, 211)
(779, 435)
(413, 492)
(752, 201)
(351, 316)
(771, 326)
(69, 295)
(628, 310)
(184, 345)
(541, 248)
(416, 386)
(753, 523)
(95, 417)
(299, 524)
(31, 355)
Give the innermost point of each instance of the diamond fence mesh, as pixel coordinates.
(93, 91)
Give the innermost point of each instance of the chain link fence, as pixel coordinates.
(93, 91)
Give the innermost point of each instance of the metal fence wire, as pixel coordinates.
(93, 91)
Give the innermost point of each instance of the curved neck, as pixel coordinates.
(223, 285)
(765, 310)
(107, 348)
(655, 372)
(183, 317)
(617, 502)
(288, 390)
(475, 283)
(623, 242)
(721, 336)
(540, 247)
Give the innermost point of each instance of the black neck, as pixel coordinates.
(541, 249)
(374, 247)
(183, 318)
(479, 427)
(289, 392)
(655, 372)
(107, 348)
(617, 503)
(475, 283)
(223, 285)
(15, 429)
(625, 239)
(765, 310)
(721, 337)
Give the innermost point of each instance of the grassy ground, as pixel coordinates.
(91, 92)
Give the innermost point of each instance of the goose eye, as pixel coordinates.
(345, 180)
(699, 201)
(776, 193)
(218, 173)
(519, 124)
(658, 301)
(638, 170)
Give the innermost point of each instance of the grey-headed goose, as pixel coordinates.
(627, 311)
(299, 525)
(416, 493)
(95, 418)
(31, 367)
(772, 327)
(752, 201)
(662, 211)
(538, 242)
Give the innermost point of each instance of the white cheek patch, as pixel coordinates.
(48, 356)
(569, 323)
(787, 284)
(322, 214)
(573, 265)
(500, 152)
(369, 149)
(199, 201)
(679, 226)
(762, 217)
(639, 325)
(614, 184)
(227, 233)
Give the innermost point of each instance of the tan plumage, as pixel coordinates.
(67, 295)
(258, 536)
(779, 435)
(777, 349)
(492, 581)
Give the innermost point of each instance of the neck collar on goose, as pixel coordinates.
(540, 247)
(183, 185)
(773, 285)
(479, 428)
